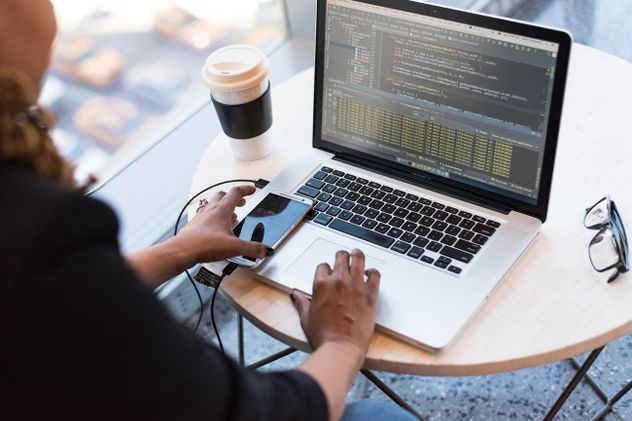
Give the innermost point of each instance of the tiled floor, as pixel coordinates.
(521, 395)
(525, 394)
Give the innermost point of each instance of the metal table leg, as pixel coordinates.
(389, 392)
(240, 339)
(608, 407)
(573, 384)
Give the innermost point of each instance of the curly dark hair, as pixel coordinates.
(24, 131)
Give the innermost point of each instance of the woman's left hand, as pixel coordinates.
(209, 236)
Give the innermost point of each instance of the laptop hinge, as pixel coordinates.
(425, 183)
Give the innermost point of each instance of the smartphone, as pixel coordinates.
(270, 222)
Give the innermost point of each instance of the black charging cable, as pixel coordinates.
(211, 280)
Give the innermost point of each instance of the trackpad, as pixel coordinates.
(320, 251)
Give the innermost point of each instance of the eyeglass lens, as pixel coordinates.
(603, 250)
(598, 215)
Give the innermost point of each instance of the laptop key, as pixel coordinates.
(484, 229)
(422, 230)
(435, 235)
(364, 200)
(408, 237)
(409, 226)
(339, 173)
(401, 247)
(480, 239)
(428, 211)
(315, 184)
(454, 269)
(387, 189)
(347, 205)
(320, 175)
(333, 211)
(374, 185)
(425, 201)
(415, 252)
(362, 181)
(467, 224)
(343, 183)
(350, 177)
(412, 197)
(450, 209)
(371, 213)
(378, 194)
(332, 179)
(329, 188)
(478, 219)
(434, 246)
(357, 219)
(346, 215)
(414, 207)
(466, 235)
(396, 222)
(448, 240)
(308, 191)
(427, 221)
(413, 217)
(384, 217)
(440, 215)
(394, 232)
(324, 197)
(376, 204)
(323, 219)
(441, 263)
(421, 242)
(401, 213)
(354, 187)
(311, 214)
(456, 254)
(382, 228)
(359, 209)
(353, 196)
(399, 193)
(467, 246)
(465, 215)
(362, 233)
(493, 224)
(341, 192)
(427, 259)
(388, 208)
(390, 198)
(454, 220)
(366, 190)
(336, 201)
(326, 169)
(438, 205)
(369, 223)
(452, 230)
(321, 207)
(439, 226)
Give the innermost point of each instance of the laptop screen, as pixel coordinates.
(462, 102)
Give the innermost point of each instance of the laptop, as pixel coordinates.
(434, 140)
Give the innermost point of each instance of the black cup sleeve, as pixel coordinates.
(244, 121)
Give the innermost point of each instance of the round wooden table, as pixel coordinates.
(552, 305)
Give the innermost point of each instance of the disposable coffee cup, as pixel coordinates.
(237, 76)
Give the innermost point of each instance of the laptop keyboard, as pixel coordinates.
(397, 220)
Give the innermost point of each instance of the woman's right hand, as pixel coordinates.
(343, 306)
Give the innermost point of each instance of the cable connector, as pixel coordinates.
(261, 183)
(212, 280)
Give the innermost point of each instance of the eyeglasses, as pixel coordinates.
(609, 247)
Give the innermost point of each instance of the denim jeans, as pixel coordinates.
(372, 410)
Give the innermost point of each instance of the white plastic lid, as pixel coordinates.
(235, 68)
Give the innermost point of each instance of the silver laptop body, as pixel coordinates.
(448, 115)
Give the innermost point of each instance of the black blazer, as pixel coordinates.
(82, 337)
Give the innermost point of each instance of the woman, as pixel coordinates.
(82, 334)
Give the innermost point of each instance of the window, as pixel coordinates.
(121, 69)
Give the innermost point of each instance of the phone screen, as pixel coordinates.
(271, 220)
